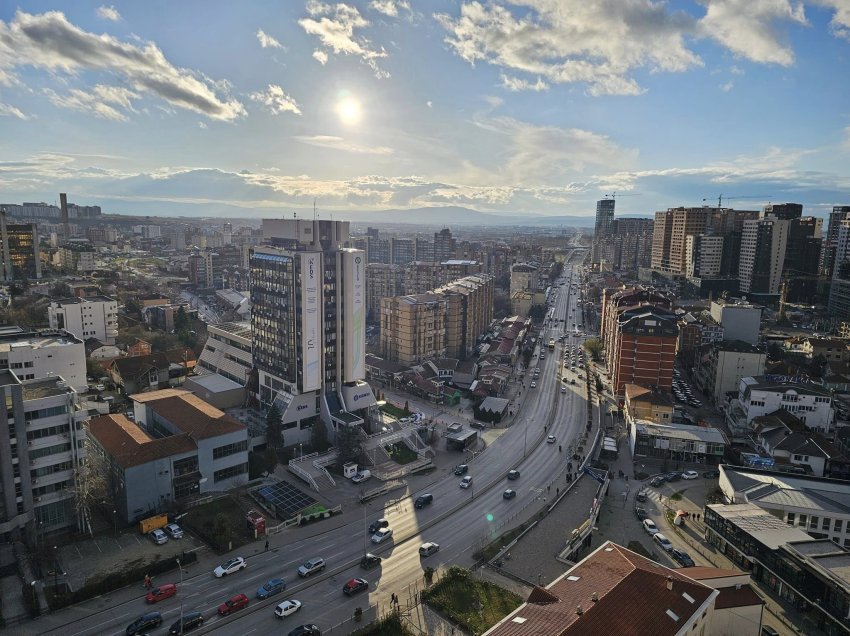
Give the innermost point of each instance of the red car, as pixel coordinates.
(232, 604)
(161, 592)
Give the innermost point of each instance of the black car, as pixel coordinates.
(509, 494)
(191, 620)
(144, 623)
(513, 474)
(674, 476)
(657, 481)
(767, 630)
(682, 558)
(306, 630)
(423, 500)
(641, 496)
(640, 513)
(462, 469)
(377, 525)
(711, 474)
(370, 561)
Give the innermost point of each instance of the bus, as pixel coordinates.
(551, 344)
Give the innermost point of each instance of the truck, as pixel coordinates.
(551, 344)
(153, 523)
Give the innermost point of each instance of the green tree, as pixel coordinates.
(319, 436)
(537, 313)
(274, 427)
(347, 444)
(594, 347)
(132, 307)
(181, 320)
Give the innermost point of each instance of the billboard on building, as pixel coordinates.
(354, 335)
(311, 321)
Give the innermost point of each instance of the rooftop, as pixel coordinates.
(130, 446)
(188, 413)
(760, 524)
(682, 431)
(778, 490)
(236, 329)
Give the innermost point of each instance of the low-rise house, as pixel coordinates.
(642, 403)
(135, 374)
(790, 443)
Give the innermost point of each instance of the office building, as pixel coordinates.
(783, 211)
(602, 229)
(308, 321)
(88, 317)
(42, 442)
(830, 244)
(41, 354)
(227, 351)
(763, 246)
(740, 320)
(719, 367)
(19, 259)
(764, 394)
(177, 446)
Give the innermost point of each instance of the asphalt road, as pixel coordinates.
(459, 520)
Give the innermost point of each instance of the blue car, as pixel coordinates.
(271, 587)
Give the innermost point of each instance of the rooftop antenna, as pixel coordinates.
(315, 212)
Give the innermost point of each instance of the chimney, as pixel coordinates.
(594, 597)
(63, 201)
(579, 611)
(669, 582)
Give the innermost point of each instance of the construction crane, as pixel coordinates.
(756, 196)
(615, 195)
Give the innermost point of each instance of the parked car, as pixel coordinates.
(191, 620)
(382, 535)
(354, 586)
(306, 630)
(423, 500)
(711, 474)
(234, 565)
(657, 482)
(533, 384)
(143, 623)
(360, 477)
(161, 592)
(270, 587)
(682, 558)
(466, 482)
(370, 561)
(509, 494)
(287, 608)
(563, 389)
(690, 474)
(650, 527)
(158, 536)
(663, 541)
(232, 604)
(311, 567)
(641, 496)
(767, 630)
(174, 531)
(427, 549)
(377, 525)
(640, 513)
(673, 476)
(513, 474)
(462, 469)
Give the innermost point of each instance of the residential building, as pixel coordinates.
(445, 245)
(382, 281)
(227, 351)
(424, 250)
(783, 211)
(830, 244)
(469, 311)
(178, 446)
(421, 277)
(19, 254)
(803, 260)
(402, 250)
(642, 347)
(740, 320)
(615, 591)
(602, 229)
(839, 289)
(764, 394)
(672, 228)
(719, 367)
(830, 349)
(642, 403)
(153, 371)
(42, 442)
(703, 256)
(76, 257)
(32, 355)
(308, 322)
(676, 442)
(763, 247)
(524, 277)
(807, 573)
(697, 330)
(413, 328)
(163, 316)
(88, 317)
(793, 446)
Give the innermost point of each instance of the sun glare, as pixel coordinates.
(348, 110)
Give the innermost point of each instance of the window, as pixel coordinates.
(228, 473)
(838, 525)
(790, 519)
(230, 449)
(814, 522)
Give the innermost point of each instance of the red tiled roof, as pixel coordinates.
(189, 413)
(704, 572)
(737, 597)
(631, 598)
(129, 445)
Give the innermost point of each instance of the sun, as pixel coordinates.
(348, 111)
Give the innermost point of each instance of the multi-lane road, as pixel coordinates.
(459, 520)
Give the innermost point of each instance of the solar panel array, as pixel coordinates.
(285, 499)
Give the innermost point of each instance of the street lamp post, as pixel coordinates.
(55, 570)
(180, 567)
(115, 521)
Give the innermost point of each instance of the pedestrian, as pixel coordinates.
(148, 582)
(267, 545)
(557, 491)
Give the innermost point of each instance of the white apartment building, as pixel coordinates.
(227, 351)
(763, 243)
(33, 355)
(741, 320)
(761, 395)
(90, 317)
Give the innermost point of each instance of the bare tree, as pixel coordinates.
(91, 487)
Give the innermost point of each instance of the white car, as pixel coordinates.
(690, 474)
(382, 535)
(533, 384)
(158, 536)
(286, 608)
(663, 541)
(466, 482)
(550, 439)
(174, 531)
(361, 477)
(650, 527)
(234, 565)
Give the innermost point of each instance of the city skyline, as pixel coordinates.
(530, 107)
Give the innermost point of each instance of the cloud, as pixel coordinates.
(728, 86)
(748, 27)
(101, 101)
(389, 7)
(338, 143)
(108, 13)
(429, 104)
(568, 41)
(516, 84)
(276, 100)
(7, 110)
(267, 41)
(48, 41)
(320, 56)
(334, 26)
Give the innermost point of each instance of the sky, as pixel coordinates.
(523, 107)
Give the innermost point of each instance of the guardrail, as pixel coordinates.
(305, 475)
